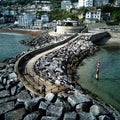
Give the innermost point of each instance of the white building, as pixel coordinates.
(93, 15)
(100, 2)
(65, 4)
(44, 18)
(85, 3)
(117, 3)
(26, 19)
(68, 26)
(37, 24)
(46, 8)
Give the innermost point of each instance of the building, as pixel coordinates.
(2, 20)
(85, 3)
(117, 2)
(100, 2)
(37, 24)
(26, 19)
(65, 4)
(93, 15)
(45, 6)
(45, 18)
(68, 26)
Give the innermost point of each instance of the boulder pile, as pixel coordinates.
(44, 39)
(58, 66)
(17, 103)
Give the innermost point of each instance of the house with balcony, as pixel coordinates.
(93, 15)
(85, 3)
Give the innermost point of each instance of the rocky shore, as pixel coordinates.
(17, 103)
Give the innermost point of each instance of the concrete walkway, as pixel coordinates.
(32, 81)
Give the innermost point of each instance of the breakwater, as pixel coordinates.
(17, 102)
(100, 38)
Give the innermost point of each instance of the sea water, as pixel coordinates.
(10, 44)
(108, 86)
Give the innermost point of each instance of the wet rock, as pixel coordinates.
(63, 95)
(50, 97)
(13, 90)
(20, 87)
(79, 107)
(86, 116)
(4, 93)
(5, 107)
(101, 117)
(49, 118)
(70, 116)
(19, 104)
(67, 106)
(32, 116)
(32, 104)
(58, 102)
(15, 114)
(6, 99)
(23, 95)
(54, 111)
(77, 98)
(12, 75)
(1, 87)
(95, 109)
(43, 105)
(2, 66)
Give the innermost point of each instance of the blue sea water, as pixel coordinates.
(108, 86)
(10, 44)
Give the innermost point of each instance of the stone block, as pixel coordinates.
(70, 116)
(15, 115)
(49, 118)
(54, 111)
(43, 105)
(5, 107)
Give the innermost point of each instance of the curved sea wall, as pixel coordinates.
(100, 38)
(16, 102)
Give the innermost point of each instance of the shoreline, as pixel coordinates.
(22, 31)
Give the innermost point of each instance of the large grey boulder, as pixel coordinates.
(49, 118)
(43, 105)
(4, 93)
(77, 98)
(70, 116)
(32, 116)
(2, 66)
(86, 116)
(13, 90)
(1, 87)
(12, 75)
(95, 109)
(15, 115)
(5, 107)
(23, 95)
(50, 97)
(54, 111)
(78, 107)
(6, 99)
(32, 104)
(58, 102)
